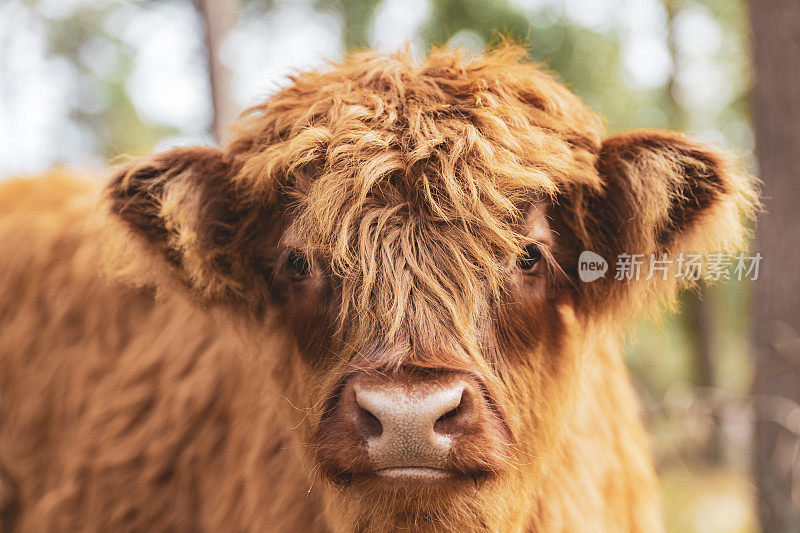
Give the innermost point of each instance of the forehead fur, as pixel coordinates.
(409, 177)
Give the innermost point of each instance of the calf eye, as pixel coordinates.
(298, 263)
(528, 259)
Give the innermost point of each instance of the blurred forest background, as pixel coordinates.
(84, 80)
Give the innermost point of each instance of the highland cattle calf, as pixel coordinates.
(363, 313)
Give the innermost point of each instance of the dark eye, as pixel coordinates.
(298, 263)
(528, 259)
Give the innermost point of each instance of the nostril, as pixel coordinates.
(369, 423)
(454, 420)
(445, 422)
(449, 414)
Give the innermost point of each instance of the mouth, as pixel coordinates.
(414, 473)
(411, 476)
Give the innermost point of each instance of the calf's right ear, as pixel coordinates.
(193, 226)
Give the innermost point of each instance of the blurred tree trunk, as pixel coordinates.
(699, 313)
(776, 109)
(701, 320)
(218, 18)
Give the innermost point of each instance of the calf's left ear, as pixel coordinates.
(661, 193)
(192, 226)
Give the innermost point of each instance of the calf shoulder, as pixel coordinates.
(122, 411)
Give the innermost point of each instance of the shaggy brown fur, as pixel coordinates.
(173, 347)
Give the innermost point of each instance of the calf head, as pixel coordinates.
(406, 238)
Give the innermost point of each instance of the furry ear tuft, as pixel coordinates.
(182, 205)
(662, 194)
